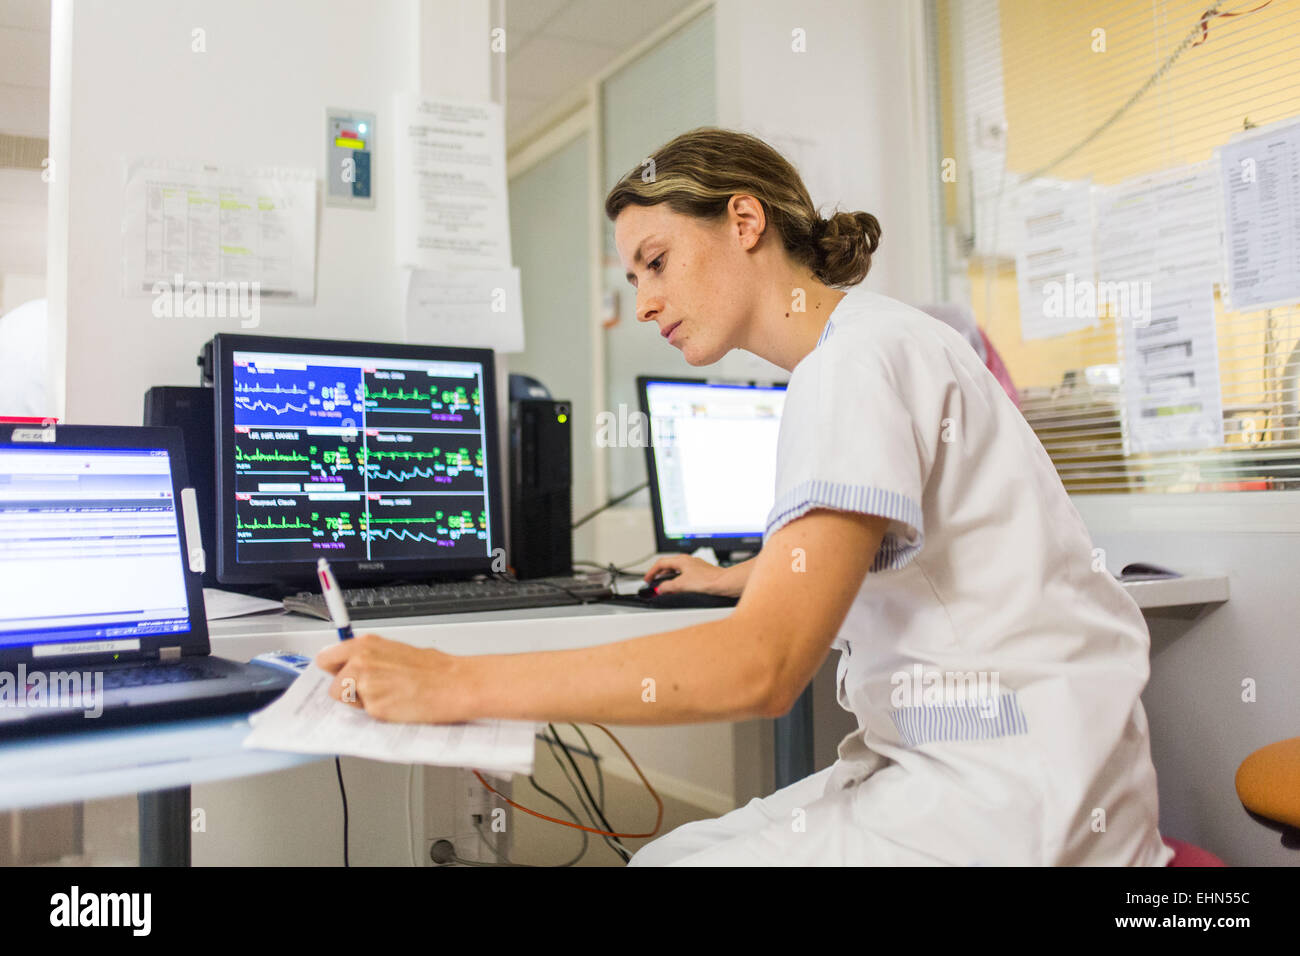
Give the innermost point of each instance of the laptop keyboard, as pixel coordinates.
(156, 674)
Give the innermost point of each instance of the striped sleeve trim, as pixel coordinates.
(894, 552)
(960, 720)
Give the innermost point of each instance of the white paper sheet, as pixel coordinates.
(189, 223)
(451, 200)
(1054, 258)
(471, 308)
(1163, 228)
(226, 604)
(1172, 394)
(1261, 203)
(306, 719)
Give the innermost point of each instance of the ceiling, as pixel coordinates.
(555, 46)
(552, 48)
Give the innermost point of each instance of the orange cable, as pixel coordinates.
(577, 826)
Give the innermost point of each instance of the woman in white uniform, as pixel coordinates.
(918, 527)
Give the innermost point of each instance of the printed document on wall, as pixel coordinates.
(1161, 228)
(1261, 203)
(197, 225)
(470, 308)
(1172, 394)
(1054, 259)
(451, 201)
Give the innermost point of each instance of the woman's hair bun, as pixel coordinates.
(843, 245)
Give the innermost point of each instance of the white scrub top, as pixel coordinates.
(993, 663)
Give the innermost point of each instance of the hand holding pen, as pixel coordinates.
(334, 599)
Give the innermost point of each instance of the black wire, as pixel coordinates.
(586, 837)
(338, 767)
(622, 850)
(591, 818)
(595, 761)
(615, 570)
(504, 860)
(609, 504)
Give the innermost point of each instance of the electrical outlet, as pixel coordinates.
(473, 815)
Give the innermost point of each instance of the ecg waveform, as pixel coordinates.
(275, 396)
(401, 399)
(261, 390)
(261, 456)
(269, 524)
(424, 462)
(257, 405)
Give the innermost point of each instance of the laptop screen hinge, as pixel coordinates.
(169, 653)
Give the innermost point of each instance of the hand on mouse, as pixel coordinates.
(693, 574)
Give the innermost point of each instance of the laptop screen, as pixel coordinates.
(90, 549)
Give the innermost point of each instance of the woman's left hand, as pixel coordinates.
(393, 681)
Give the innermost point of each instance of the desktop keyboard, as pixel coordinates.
(456, 597)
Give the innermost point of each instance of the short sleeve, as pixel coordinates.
(849, 442)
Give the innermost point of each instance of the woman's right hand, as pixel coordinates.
(698, 575)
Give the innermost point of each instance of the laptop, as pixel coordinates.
(101, 600)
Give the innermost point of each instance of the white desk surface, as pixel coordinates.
(480, 632)
(1179, 592)
(111, 762)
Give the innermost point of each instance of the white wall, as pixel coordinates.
(257, 95)
(1201, 727)
(852, 106)
(24, 111)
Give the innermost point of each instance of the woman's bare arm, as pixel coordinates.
(753, 663)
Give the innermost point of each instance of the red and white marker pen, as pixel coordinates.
(329, 587)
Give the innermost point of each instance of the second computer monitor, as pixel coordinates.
(380, 457)
(711, 461)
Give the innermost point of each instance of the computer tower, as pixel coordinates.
(190, 409)
(541, 487)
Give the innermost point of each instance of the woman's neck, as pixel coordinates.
(789, 320)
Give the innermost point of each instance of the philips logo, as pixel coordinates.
(102, 909)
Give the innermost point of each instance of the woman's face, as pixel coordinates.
(690, 278)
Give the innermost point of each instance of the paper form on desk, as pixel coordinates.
(306, 719)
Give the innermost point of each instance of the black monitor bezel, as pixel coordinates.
(133, 438)
(224, 345)
(663, 543)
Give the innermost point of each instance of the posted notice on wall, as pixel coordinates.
(1172, 395)
(186, 223)
(1054, 259)
(470, 308)
(452, 209)
(1261, 203)
(1163, 227)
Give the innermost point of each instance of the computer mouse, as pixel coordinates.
(1144, 570)
(648, 590)
(680, 599)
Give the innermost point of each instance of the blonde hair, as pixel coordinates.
(698, 172)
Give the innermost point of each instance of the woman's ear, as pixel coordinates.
(747, 218)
